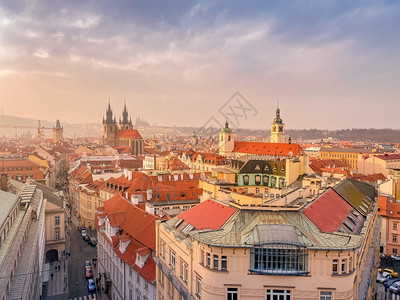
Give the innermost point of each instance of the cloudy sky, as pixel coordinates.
(332, 64)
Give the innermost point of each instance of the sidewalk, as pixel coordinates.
(57, 284)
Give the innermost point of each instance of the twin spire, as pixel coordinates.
(111, 119)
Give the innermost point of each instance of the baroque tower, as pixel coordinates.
(226, 141)
(277, 128)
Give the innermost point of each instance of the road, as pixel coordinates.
(80, 252)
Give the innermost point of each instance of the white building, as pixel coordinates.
(126, 242)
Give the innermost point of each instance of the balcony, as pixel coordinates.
(178, 285)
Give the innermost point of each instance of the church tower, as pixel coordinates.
(277, 128)
(109, 127)
(125, 123)
(58, 132)
(226, 141)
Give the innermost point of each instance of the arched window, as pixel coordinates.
(229, 138)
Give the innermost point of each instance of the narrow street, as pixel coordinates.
(80, 252)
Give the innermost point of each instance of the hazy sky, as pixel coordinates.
(333, 64)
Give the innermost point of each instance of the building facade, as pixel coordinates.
(124, 135)
(242, 252)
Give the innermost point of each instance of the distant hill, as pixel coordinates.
(358, 135)
(95, 130)
(18, 126)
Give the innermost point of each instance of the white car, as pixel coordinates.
(395, 287)
(395, 256)
(385, 276)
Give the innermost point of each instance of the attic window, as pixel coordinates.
(187, 229)
(182, 194)
(178, 223)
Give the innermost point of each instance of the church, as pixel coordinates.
(123, 135)
(276, 148)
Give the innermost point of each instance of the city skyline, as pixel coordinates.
(178, 63)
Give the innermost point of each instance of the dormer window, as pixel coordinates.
(142, 255)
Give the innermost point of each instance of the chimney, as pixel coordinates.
(4, 182)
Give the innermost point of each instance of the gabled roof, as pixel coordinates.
(175, 163)
(131, 219)
(128, 134)
(207, 215)
(329, 211)
(277, 149)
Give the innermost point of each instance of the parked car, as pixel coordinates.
(83, 233)
(93, 242)
(87, 264)
(395, 256)
(395, 287)
(385, 276)
(390, 271)
(91, 285)
(88, 273)
(86, 238)
(80, 228)
(390, 282)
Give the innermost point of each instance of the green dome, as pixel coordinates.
(226, 129)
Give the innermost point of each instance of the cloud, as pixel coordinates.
(313, 53)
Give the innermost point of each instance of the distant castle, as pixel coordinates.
(124, 135)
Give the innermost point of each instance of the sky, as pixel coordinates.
(332, 64)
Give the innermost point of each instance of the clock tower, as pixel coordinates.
(277, 128)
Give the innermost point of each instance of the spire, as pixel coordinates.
(125, 115)
(109, 113)
(278, 119)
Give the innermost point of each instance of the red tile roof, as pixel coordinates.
(207, 215)
(370, 177)
(389, 156)
(128, 134)
(175, 163)
(329, 211)
(134, 221)
(318, 164)
(278, 149)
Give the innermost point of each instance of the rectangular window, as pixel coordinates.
(325, 296)
(184, 271)
(258, 179)
(215, 262)
(232, 294)
(335, 266)
(344, 265)
(224, 263)
(395, 238)
(394, 226)
(57, 220)
(246, 179)
(208, 260)
(394, 250)
(257, 191)
(162, 248)
(198, 287)
(57, 234)
(172, 260)
(137, 278)
(278, 295)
